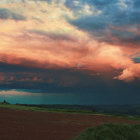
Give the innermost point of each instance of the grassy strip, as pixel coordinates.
(73, 111)
(41, 109)
(111, 132)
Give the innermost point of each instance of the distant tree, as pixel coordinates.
(5, 102)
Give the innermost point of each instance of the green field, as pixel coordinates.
(41, 109)
(63, 110)
(111, 132)
(44, 109)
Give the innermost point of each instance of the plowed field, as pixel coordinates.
(31, 125)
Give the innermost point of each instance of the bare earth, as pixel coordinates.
(29, 125)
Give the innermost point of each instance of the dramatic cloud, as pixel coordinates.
(130, 73)
(94, 37)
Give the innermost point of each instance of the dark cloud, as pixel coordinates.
(7, 14)
(113, 13)
(86, 88)
(98, 3)
(54, 36)
(51, 79)
(125, 36)
(44, 0)
(136, 4)
(136, 59)
(59, 80)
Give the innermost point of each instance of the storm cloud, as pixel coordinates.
(119, 13)
(7, 14)
(73, 47)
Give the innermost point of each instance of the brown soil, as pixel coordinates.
(29, 125)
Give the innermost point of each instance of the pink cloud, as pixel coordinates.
(96, 58)
(130, 73)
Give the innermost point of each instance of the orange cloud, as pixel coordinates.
(16, 93)
(130, 73)
(97, 57)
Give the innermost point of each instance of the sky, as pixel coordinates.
(70, 51)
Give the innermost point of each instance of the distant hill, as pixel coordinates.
(115, 109)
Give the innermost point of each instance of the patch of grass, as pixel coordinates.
(111, 132)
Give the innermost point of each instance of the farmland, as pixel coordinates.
(25, 123)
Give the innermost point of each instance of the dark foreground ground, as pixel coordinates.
(31, 125)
